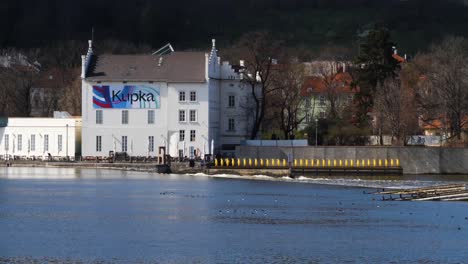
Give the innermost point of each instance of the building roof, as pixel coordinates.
(398, 58)
(173, 67)
(55, 77)
(438, 123)
(317, 85)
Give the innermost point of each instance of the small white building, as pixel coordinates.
(185, 104)
(35, 138)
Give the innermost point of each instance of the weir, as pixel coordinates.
(313, 166)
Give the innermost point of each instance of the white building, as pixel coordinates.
(182, 102)
(29, 138)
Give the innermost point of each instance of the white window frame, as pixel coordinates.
(231, 124)
(151, 117)
(33, 142)
(6, 142)
(46, 142)
(195, 117)
(181, 135)
(184, 115)
(193, 135)
(125, 117)
(20, 142)
(322, 100)
(150, 143)
(98, 143)
(231, 104)
(308, 103)
(99, 117)
(182, 95)
(124, 143)
(194, 93)
(59, 143)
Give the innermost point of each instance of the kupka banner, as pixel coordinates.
(126, 96)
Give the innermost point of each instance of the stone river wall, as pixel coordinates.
(414, 160)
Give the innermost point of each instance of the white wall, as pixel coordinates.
(165, 130)
(39, 127)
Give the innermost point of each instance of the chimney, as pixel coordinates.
(207, 62)
(344, 67)
(213, 41)
(395, 51)
(405, 57)
(90, 48)
(83, 66)
(241, 63)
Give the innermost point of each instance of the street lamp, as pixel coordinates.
(316, 131)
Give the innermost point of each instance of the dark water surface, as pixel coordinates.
(105, 216)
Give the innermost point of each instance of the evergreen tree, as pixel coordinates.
(375, 63)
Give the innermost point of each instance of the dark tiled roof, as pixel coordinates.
(317, 85)
(55, 77)
(174, 67)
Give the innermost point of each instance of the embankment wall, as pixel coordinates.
(413, 160)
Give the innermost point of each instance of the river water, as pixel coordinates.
(108, 216)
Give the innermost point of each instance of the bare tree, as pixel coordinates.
(286, 103)
(258, 50)
(444, 86)
(394, 107)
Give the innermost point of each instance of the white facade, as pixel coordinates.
(37, 137)
(192, 118)
(144, 137)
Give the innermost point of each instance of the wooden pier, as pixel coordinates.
(452, 192)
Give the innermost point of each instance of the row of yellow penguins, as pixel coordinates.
(227, 162)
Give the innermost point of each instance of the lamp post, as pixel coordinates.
(316, 131)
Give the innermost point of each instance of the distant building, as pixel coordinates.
(185, 104)
(36, 138)
(47, 89)
(319, 88)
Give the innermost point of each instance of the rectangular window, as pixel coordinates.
(307, 103)
(124, 143)
(60, 143)
(6, 140)
(98, 143)
(322, 100)
(193, 115)
(322, 114)
(192, 135)
(193, 96)
(307, 118)
(150, 116)
(98, 116)
(232, 101)
(20, 142)
(181, 115)
(192, 152)
(181, 135)
(231, 124)
(181, 96)
(33, 142)
(46, 142)
(350, 99)
(151, 143)
(124, 117)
